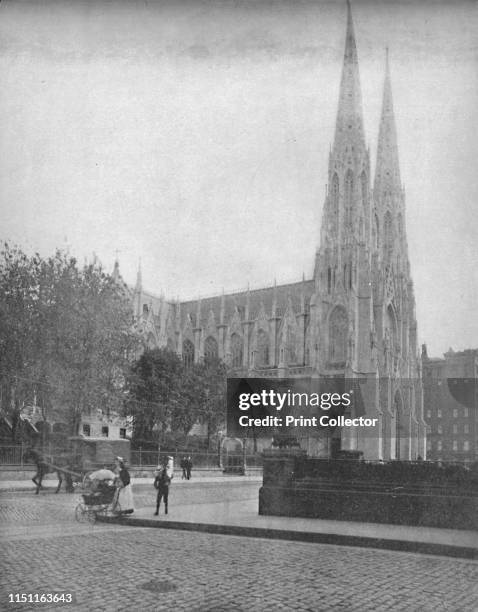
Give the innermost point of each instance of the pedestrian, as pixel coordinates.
(124, 494)
(183, 465)
(161, 484)
(169, 466)
(189, 467)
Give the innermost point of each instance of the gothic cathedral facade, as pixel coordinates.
(355, 318)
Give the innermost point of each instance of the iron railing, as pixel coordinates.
(13, 456)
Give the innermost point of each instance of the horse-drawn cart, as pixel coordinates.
(83, 456)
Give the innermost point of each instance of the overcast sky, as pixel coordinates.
(195, 135)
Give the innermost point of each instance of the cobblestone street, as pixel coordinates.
(118, 568)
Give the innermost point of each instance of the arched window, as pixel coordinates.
(188, 354)
(387, 235)
(262, 354)
(334, 200)
(236, 351)
(329, 280)
(400, 224)
(338, 326)
(377, 232)
(211, 350)
(290, 345)
(349, 190)
(364, 189)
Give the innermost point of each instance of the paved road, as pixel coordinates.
(118, 568)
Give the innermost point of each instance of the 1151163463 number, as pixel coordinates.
(55, 597)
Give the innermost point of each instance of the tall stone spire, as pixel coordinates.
(349, 126)
(387, 172)
(139, 279)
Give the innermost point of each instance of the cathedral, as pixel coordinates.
(354, 319)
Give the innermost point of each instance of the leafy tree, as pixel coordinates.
(65, 336)
(154, 392)
(214, 411)
(166, 397)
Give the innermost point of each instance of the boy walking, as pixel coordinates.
(161, 484)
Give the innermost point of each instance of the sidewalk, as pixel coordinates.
(205, 476)
(242, 519)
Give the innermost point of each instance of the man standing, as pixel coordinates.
(161, 484)
(183, 465)
(189, 467)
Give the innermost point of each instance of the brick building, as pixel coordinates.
(450, 400)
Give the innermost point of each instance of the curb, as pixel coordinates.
(443, 550)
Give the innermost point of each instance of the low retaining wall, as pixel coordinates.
(371, 506)
(355, 493)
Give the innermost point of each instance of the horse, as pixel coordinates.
(44, 467)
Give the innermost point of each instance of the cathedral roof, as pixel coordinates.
(255, 299)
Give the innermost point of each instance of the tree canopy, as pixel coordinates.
(166, 396)
(66, 336)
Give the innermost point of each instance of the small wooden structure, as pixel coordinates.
(94, 453)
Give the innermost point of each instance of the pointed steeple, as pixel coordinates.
(387, 172)
(349, 126)
(116, 272)
(139, 281)
(198, 313)
(222, 308)
(274, 299)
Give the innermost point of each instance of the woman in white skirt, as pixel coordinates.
(125, 492)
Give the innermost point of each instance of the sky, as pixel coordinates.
(193, 137)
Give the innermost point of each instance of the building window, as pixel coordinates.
(387, 235)
(188, 354)
(455, 413)
(455, 445)
(262, 353)
(349, 189)
(105, 431)
(466, 428)
(439, 429)
(439, 445)
(364, 189)
(465, 413)
(335, 204)
(455, 429)
(210, 349)
(86, 429)
(236, 351)
(338, 327)
(122, 432)
(439, 413)
(466, 445)
(429, 414)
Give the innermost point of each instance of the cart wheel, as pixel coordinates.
(81, 513)
(116, 510)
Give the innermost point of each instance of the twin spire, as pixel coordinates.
(349, 126)
(387, 172)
